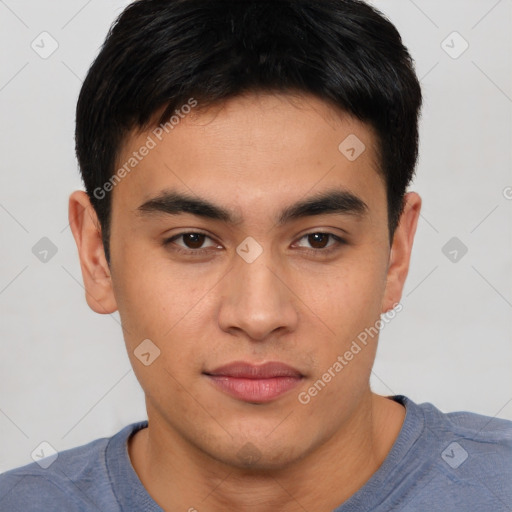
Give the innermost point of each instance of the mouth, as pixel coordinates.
(253, 383)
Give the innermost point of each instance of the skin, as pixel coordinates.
(255, 155)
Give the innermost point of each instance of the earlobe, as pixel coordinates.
(401, 250)
(86, 231)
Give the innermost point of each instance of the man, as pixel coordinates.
(246, 166)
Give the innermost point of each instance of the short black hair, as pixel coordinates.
(159, 54)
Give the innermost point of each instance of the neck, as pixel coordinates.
(179, 476)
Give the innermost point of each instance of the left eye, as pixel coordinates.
(319, 240)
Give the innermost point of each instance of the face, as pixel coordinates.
(254, 279)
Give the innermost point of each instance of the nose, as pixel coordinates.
(256, 299)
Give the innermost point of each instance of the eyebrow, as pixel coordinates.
(335, 201)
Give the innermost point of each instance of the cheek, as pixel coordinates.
(154, 295)
(169, 306)
(348, 298)
(347, 302)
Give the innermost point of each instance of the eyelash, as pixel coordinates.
(316, 252)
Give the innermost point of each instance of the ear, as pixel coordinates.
(86, 230)
(398, 266)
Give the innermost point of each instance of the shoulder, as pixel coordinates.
(53, 483)
(477, 431)
(74, 480)
(23, 489)
(467, 458)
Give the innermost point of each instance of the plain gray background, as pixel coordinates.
(65, 377)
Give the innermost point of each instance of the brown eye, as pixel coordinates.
(191, 243)
(318, 240)
(193, 240)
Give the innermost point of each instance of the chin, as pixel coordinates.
(261, 454)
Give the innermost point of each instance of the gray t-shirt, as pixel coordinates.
(448, 462)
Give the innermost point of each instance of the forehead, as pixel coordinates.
(254, 151)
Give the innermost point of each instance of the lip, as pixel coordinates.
(243, 370)
(255, 383)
